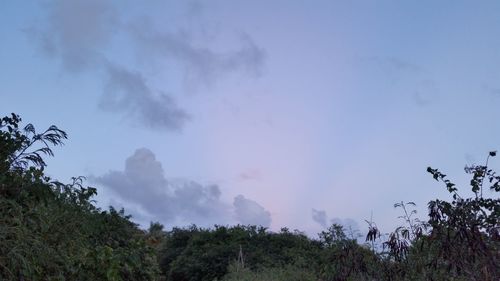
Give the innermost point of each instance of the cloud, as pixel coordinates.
(425, 93)
(249, 212)
(201, 64)
(76, 31)
(350, 226)
(252, 174)
(143, 184)
(127, 92)
(319, 216)
(495, 92)
(415, 79)
(392, 63)
(470, 158)
(492, 91)
(83, 36)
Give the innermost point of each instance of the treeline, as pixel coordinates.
(240, 252)
(53, 231)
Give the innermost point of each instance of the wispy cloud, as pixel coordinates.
(393, 63)
(425, 93)
(417, 81)
(492, 91)
(251, 174)
(201, 64)
(319, 216)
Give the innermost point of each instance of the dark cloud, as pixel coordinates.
(128, 93)
(80, 35)
(249, 212)
(77, 34)
(319, 216)
(143, 183)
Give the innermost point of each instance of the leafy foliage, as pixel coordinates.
(250, 253)
(204, 254)
(51, 230)
(288, 273)
(466, 231)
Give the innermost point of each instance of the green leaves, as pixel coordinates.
(466, 230)
(438, 176)
(373, 232)
(20, 149)
(51, 230)
(205, 254)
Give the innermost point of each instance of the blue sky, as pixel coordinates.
(258, 111)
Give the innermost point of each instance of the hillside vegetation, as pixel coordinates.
(53, 231)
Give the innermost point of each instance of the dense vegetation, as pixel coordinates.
(53, 231)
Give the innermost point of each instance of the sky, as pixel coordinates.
(292, 114)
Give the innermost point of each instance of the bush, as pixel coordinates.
(52, 231)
